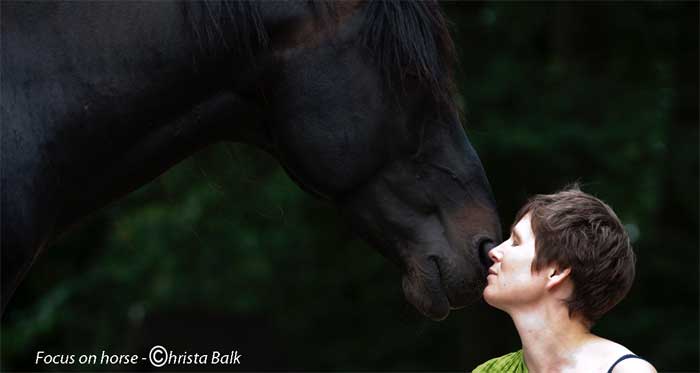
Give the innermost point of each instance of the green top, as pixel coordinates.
(510, 363)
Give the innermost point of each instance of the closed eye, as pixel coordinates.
(515, 238)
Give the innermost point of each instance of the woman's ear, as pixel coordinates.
(556, 276)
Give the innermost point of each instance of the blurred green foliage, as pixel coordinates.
(225, 252)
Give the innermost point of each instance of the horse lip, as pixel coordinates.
(451, 303)
(443, 286)
(416, 294)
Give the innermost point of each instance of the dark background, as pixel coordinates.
(224, 252)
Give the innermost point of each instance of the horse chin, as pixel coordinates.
(423, 289)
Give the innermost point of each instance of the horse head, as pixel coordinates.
(353, 98)
(358, 109)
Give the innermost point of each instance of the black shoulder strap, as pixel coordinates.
(628, 356)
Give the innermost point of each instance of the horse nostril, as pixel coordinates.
(484, 247)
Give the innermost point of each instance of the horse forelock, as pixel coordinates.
(405, 38)
(237, 25)
(412, 38)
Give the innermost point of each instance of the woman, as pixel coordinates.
(567, 262)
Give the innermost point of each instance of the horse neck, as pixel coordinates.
(139, 96)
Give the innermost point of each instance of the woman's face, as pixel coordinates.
(510, 281)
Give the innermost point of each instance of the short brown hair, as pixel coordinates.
(578, 231)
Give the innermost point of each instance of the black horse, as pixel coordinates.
(354, 99)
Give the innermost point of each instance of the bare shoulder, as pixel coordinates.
(608, 352)
(634, 366)
(615, 351)
(607, 349)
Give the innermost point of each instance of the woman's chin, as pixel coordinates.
(489, 296)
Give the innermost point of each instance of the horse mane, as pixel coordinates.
(405, 38)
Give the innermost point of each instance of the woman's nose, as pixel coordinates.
(495, 254)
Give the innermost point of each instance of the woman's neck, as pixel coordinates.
(550, 338)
